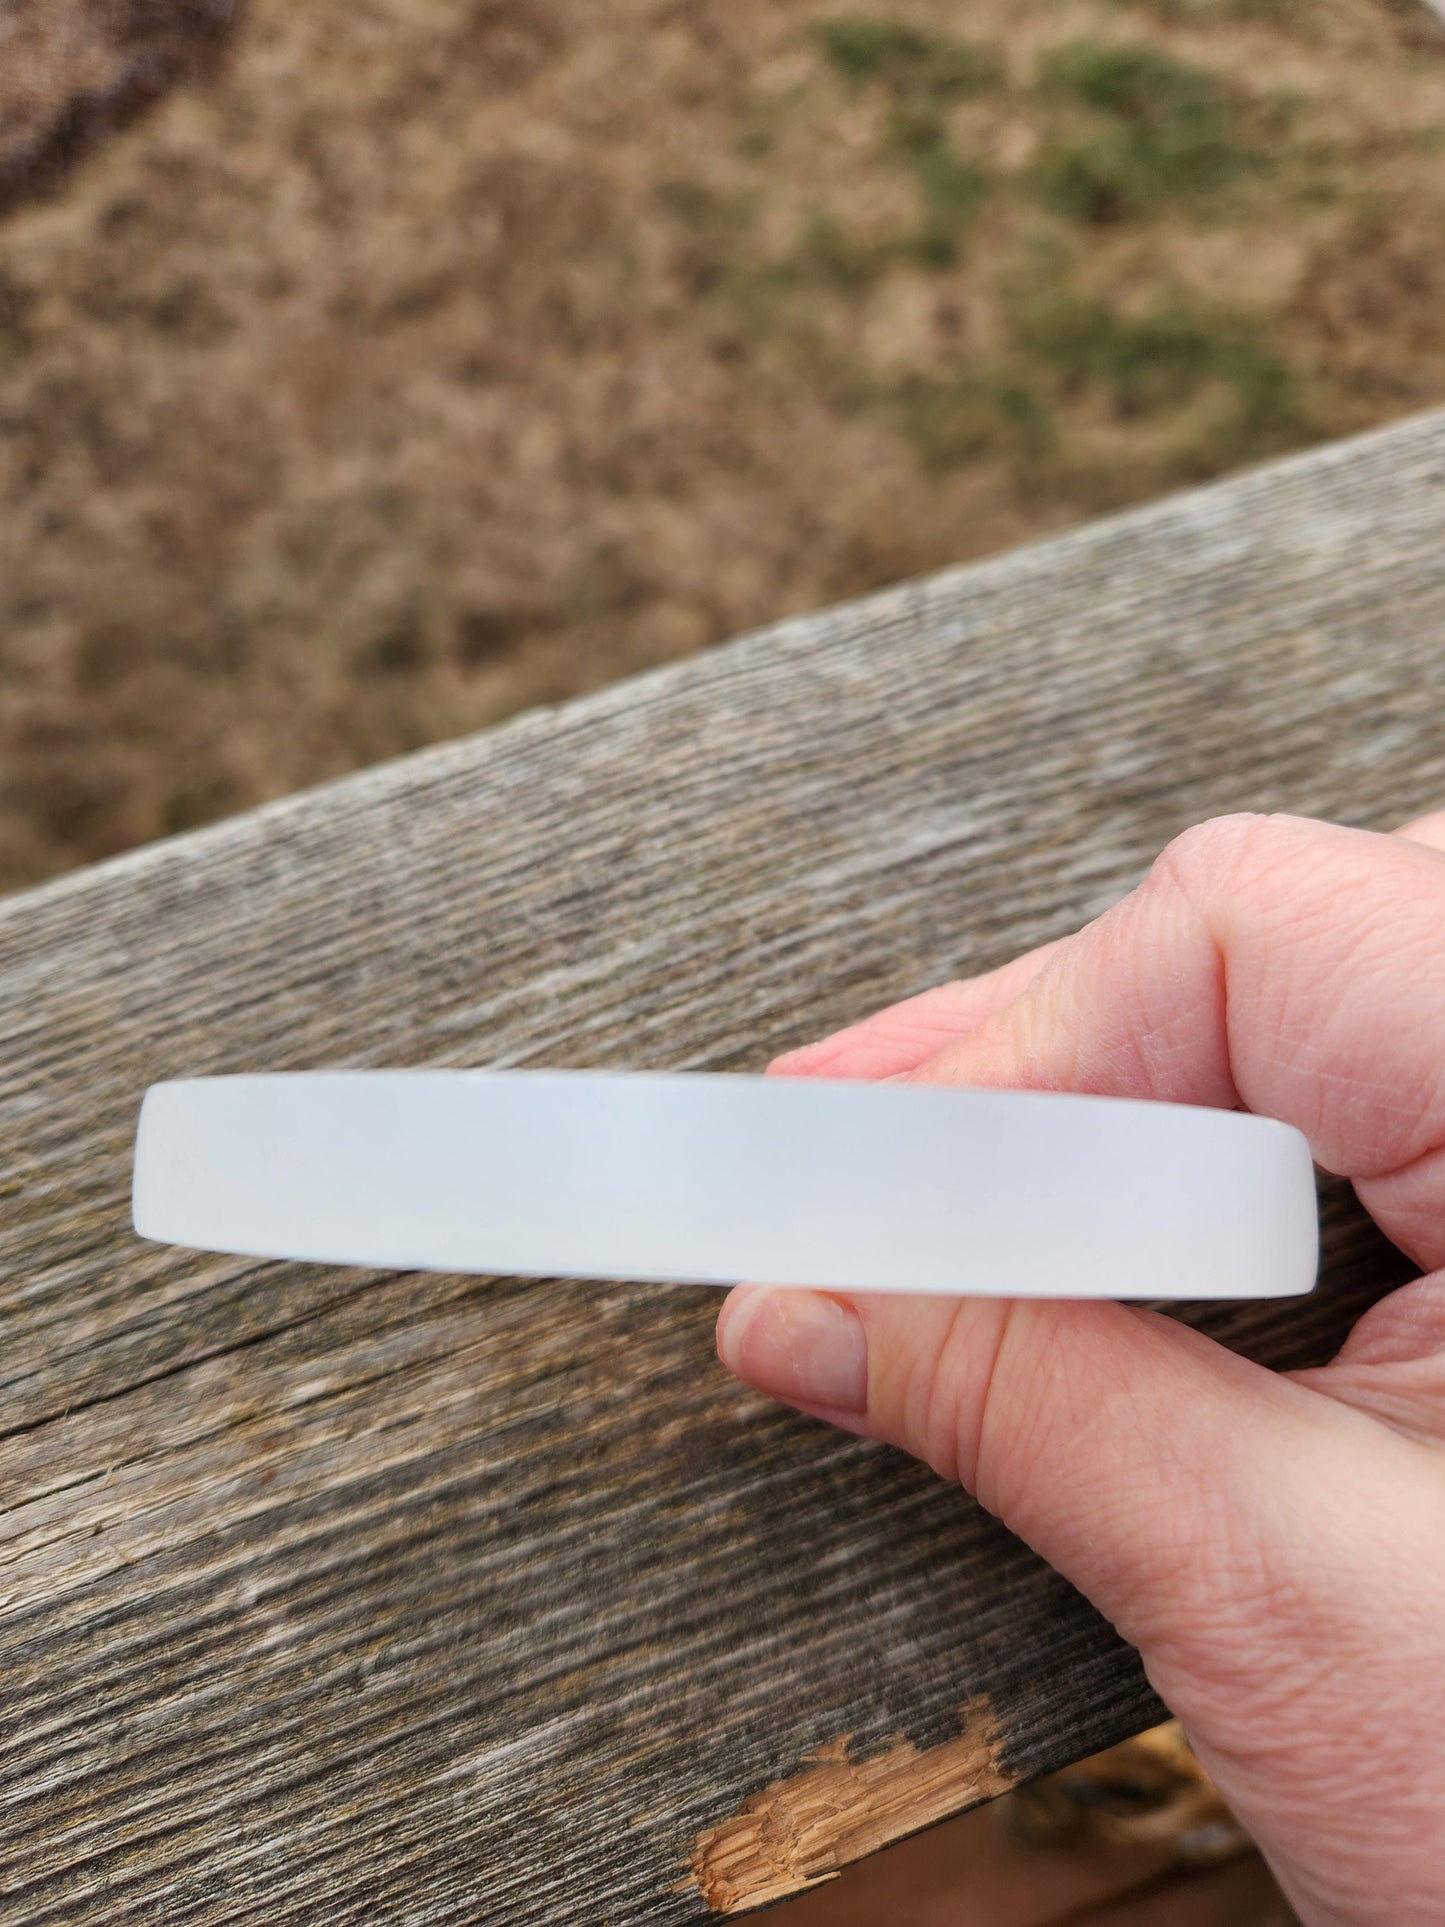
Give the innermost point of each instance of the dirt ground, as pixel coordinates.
(434, 358)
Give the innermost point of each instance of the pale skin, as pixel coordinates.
(1274, 1544)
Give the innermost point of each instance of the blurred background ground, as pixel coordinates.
(407, 362)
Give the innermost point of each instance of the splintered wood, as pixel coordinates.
(806, 1829)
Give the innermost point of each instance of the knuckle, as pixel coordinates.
(935, 1391)
(986, 1399)
(1221, 853)
(1274, 871)
(943, 1386)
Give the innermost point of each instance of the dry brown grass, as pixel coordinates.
(73, 72)
(447, 356)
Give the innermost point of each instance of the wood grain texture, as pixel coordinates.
(360, 1597)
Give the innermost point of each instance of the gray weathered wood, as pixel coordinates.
(344, 1597)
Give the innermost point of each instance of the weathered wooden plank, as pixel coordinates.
(399, 1598)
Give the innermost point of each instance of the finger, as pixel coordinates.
(1124, 1447)
(1429, 830)
(1289, 967)
(901, 1037)
(1393, 1362)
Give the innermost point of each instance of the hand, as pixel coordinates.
(1274, 1544)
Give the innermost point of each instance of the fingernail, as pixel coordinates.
(796, 1345)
